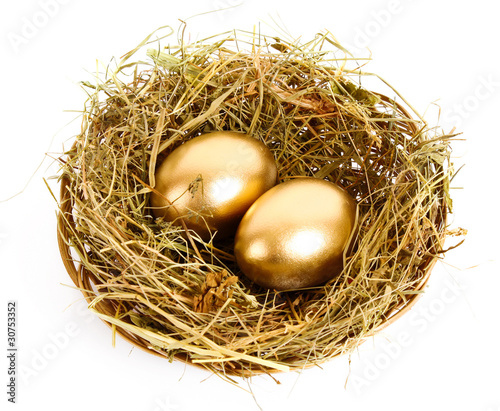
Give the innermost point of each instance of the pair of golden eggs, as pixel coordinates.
(286, 236)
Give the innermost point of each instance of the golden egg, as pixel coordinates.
(294, 235)
(210, 181)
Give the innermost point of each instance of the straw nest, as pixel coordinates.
(178, 297)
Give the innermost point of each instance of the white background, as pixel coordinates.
(442, 355)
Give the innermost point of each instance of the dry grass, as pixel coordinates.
(182, 298)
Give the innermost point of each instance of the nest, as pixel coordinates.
(170, 293)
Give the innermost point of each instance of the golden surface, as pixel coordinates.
(295, 234)
(212, 180)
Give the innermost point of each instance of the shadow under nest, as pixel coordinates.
(176, 296)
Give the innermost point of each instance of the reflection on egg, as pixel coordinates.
(210, 181)
(295, 234)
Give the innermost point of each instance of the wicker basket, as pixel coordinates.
(389, 161)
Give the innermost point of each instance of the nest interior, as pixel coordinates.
(176, 296)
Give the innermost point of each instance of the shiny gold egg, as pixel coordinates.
(210, 181)
(295, 234)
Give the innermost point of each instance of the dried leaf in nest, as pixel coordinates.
(215, 292)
